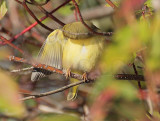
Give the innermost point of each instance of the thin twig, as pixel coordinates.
(74, 75)
(35, 23)
(129, 77)
(32, 14)
(23, 69)
(53, 91)
(10, 44)
(135, 70)
(111, 4)
(89, 28)
(51, 16)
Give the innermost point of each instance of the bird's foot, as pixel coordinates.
(85, 77)
(68, 73)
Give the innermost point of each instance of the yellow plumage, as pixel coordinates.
(72, 47)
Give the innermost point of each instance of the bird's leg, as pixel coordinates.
(85, 77)
(68, 73)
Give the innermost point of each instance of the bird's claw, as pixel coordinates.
(85, 77)
(68, 73)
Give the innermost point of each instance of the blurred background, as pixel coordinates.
(131, 51)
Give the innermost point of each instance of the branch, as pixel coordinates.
(89, 28)
(111, 4)
(32, 14)
(35, 23)
(10, 44)
(136, 72)
(129, 77)
(51, 16)
(43, 18)
(53, 91)
(74, 75)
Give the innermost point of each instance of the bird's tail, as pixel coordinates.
(72, 91)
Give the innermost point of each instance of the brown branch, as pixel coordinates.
(129, 77)
(51, 16)
(111, 4)
(135, 70)
(35, 23)
(74, 75)
(32, 14)
(53, 91)
(89, 28)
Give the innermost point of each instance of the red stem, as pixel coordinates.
(12, 45)
(32, 14)
(35, 23)
(111, 4)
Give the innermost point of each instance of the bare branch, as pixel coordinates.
(53, 91)
(74, 75)
(111, 4)
(136, 72)
(32, 14)
(12, 45)
(51, 16)
(89, 28)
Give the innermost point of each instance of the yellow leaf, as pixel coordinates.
(3, 9)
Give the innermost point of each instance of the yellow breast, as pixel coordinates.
(82, 55)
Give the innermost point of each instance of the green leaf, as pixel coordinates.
(3, 9)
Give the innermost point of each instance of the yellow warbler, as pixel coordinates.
(74, 48)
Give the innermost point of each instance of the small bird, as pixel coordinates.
(73, 48)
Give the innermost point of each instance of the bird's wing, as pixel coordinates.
(50, 53)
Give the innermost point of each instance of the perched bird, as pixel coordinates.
(73, 48)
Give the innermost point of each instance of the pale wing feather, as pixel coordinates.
(50, 53)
